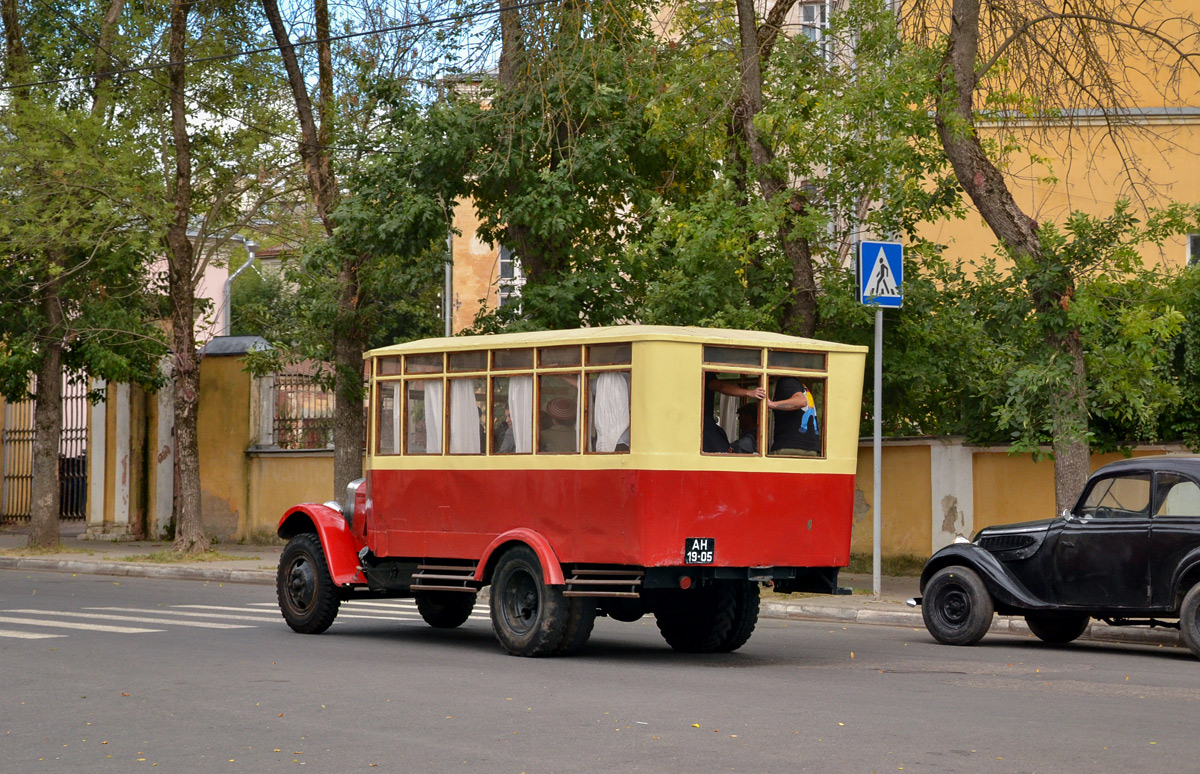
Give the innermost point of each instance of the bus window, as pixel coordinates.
(797, 430)
(388, 429)
(558, 424)
(512, 415)
(466, 424)
(724, 396)
(608, 403)
(423, 419)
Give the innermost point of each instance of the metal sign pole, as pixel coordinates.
(876, 551)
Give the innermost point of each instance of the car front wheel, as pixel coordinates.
(957, 607)
(1189, 619)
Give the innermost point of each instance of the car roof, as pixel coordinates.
(1189, 464)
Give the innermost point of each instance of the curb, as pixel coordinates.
(1097, 631)
(137, 570)
(1002, 624)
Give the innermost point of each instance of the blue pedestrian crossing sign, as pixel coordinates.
(881, 274)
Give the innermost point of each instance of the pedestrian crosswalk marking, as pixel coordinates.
(251, 615)
(133, 619)
(28, 635)
(76, 625)
(223, 616)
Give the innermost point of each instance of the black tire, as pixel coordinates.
(745, 616)
(307, 597)
(529, 617)
(957, 607)
(698, 620)
(1057, 628)
(445, 609)
(1189, 619)
(581, 617)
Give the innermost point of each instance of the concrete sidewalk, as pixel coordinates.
(257, 563)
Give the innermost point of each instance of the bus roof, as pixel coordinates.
(616, 333)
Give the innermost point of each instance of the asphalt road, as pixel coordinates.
(381, 691)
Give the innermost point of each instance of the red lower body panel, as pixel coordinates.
(629, 517)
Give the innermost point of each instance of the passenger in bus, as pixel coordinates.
(561, 435)
(715, 439)
(747, 442)
(796, 431)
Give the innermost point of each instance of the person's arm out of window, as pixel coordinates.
(724, 387)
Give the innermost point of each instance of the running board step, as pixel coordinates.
(600, 582)
(443, 577)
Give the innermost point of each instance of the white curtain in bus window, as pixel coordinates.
(610, 412)
(389, 418)
(464, 416)
(520, 408)
(425, 416)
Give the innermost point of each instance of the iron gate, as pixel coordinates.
(16, 486)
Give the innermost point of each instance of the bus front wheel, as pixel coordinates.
(307, 597)
(531, 618)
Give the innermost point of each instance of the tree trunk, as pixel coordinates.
(799, 316)
(189, 529)
(102, 93)
(47, 423)
(348, 342)
(1018, 232)
(16, 58)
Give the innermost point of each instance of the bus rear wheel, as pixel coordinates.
(307, 597)
(445, 609)
(699, 620)
(531, 618)
(745, 615)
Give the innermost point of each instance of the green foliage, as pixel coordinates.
(850, 127)
(75, 233)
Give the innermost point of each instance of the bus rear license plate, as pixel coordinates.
(699, 550)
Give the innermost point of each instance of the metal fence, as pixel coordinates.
(303, 413)
(16, 483)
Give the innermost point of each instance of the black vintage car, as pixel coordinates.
(1128, 554)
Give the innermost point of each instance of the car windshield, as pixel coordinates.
(1118, 497)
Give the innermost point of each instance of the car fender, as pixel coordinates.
(1187, 573)
(1005, 589)
(340, 544)
(551, 569)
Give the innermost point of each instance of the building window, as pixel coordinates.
(1193, 249)
(511, 278)
(812, 21)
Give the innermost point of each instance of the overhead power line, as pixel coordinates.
(332, 39)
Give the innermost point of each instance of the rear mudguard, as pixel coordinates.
(551, 569)
(340, 544)
(1006, 590)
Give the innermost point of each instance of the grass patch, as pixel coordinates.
(898, 565)
(61, 548)
(168, 556)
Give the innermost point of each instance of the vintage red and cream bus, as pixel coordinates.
(615, 471)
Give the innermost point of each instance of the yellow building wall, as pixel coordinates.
(223, 435)
(476, 269)
(1013, 488)
(907, 497)
(1085, 172)
(279, 480)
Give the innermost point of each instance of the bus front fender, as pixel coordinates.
(340, 544)
(551, 569)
